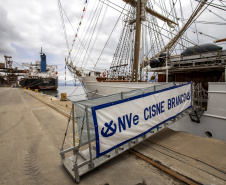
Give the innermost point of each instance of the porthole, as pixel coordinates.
(208, 134)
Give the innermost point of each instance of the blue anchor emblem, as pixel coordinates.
(109, 127)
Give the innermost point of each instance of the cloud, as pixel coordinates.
(26, 26)
(8, 33)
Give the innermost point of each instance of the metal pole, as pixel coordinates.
(193, 94)
(121, 95)
(225, 74)
(201, 96)
(167, 71)
(73, 125)
(89, 141)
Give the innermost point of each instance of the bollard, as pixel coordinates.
(36, 90)
(25, 88)
(28, 88)
(63, 97)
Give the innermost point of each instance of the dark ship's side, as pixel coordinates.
(40, 83)
(40, 75)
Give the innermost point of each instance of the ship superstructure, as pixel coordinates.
(40, 75)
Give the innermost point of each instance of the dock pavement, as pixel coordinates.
(32, 127)
(31, 135)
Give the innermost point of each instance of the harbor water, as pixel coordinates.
(74, 93)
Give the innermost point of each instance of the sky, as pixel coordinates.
(28, 25)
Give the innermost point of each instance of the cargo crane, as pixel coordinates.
(9, 74)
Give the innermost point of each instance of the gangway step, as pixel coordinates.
(196, 115)
(80, 163)
(111, 125)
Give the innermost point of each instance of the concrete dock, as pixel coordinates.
(32, 127)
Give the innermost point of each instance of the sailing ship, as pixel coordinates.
(160, 42)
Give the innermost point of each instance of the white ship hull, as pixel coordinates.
(97, 89)
(212, 122)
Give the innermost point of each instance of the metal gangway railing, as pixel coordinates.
(200, 100)
(103, 128)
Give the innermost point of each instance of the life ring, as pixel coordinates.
(104, 73)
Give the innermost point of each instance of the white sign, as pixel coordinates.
(118, 122)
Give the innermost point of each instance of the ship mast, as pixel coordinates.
(181, 32)
(137, 42)
(140, 16)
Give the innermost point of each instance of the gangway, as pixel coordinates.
(108, 126)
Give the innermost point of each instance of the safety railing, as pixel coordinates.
(90, 151)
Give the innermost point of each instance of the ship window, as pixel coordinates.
(208, 134)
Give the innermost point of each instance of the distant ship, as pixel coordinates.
(40, 75)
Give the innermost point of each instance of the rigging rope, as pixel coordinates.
(79, 25)
(65, 134)
(195, 24)
(116, 5)
(108, 38)
(18, 64)
(98, 16)
(216, 15)
(216, 5)
(65, 70)
(63, 23)
(97, 33)
(83, 36)
(73, 91)
(84, 39)
(162, 32)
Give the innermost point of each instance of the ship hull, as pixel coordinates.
(96, 89)
(213, 121)
(41, 83)
(215, 113)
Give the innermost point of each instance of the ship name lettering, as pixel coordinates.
(127, 120)
(175, 101)
(154, 110)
